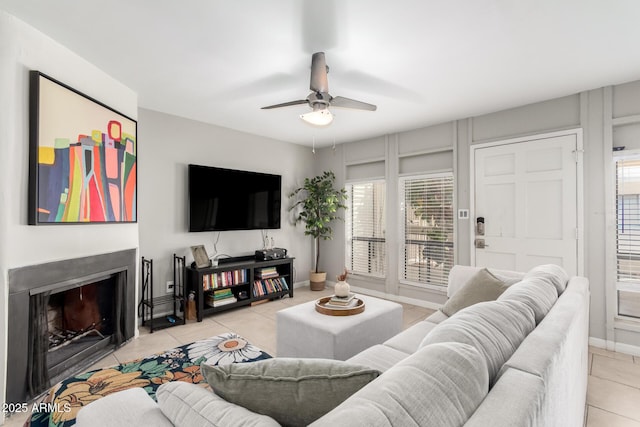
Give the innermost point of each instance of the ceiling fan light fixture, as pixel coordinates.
(318, 117)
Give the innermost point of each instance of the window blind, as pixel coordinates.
(427, 228)
(365, 228)
(628, 236)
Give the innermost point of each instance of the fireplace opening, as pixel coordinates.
(79, 322)
(73, 325)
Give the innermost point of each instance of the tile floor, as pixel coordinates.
(613, 396)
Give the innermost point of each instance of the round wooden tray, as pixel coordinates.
(331, 311)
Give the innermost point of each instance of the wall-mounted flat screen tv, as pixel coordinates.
(227, 199)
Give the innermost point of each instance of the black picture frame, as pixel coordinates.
(82, 157)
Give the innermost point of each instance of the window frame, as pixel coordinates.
(441, 287)
(623, 283)
(348, 234)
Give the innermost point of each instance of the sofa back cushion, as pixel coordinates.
(459, 275)
(482, 286)
(494, 328)
(551, 272)
(538, 293)
(439, 385)
(557, 352)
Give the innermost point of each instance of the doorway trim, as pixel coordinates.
(579, 153)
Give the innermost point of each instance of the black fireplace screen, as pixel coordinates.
(88, 321)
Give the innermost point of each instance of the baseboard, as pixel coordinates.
(301, 284)
(614, 346)
(397, 298)
(365, 291)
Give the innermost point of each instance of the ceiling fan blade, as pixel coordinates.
(342, 102)
(319, 82)
(286, 104)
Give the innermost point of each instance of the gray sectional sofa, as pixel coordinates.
(519, 360)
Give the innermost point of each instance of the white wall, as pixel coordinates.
(593, 111)
(22, 48)
(169, 144)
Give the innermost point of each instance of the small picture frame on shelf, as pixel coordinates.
(200, 256)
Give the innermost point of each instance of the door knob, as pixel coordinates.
(480, 244)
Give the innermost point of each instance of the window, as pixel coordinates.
(427, 228)
(365, 228)
(628, 236)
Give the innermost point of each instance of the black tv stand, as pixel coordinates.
(248, 280)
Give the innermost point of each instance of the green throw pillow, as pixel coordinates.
(294, 392)
(483, 286)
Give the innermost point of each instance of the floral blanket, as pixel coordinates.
(66, 398)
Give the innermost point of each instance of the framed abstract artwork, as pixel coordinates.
(82, 158)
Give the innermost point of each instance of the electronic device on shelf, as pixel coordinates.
(269, 254)
(227, 199)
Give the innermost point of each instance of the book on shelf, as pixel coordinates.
(267, 272)
(269, 286)
(224, 279)
(214, 301)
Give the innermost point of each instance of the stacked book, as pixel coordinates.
(220, 297)
(269, 286)
(266, 272)
(342, 302)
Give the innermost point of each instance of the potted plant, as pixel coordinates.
(316, 204)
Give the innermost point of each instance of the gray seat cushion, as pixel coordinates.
(439, 385)
(495, 328)
(408, 341)
(380, 357)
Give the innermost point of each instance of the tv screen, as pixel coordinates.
(226, 199)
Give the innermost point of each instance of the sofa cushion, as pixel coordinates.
(460, 274)
(319, 384)
(554, 273)
(525, 394)
(495, 328)
(190, 405)
(131, 407)
(539, 294)
(557, 352)
(379, 356)
(439, 385)
(409, 340)
(483, 286)
(437, 317)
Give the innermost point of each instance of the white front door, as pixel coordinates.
(527, 194)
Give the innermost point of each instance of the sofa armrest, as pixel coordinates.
(191, 405)
(131, 407)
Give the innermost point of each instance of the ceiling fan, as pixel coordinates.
(319, 99)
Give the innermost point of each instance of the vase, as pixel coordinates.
(342, 289)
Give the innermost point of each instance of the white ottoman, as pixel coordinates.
(303, 332)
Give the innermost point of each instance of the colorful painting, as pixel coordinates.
(83, 160)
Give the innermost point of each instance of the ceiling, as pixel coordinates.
(421, 62)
